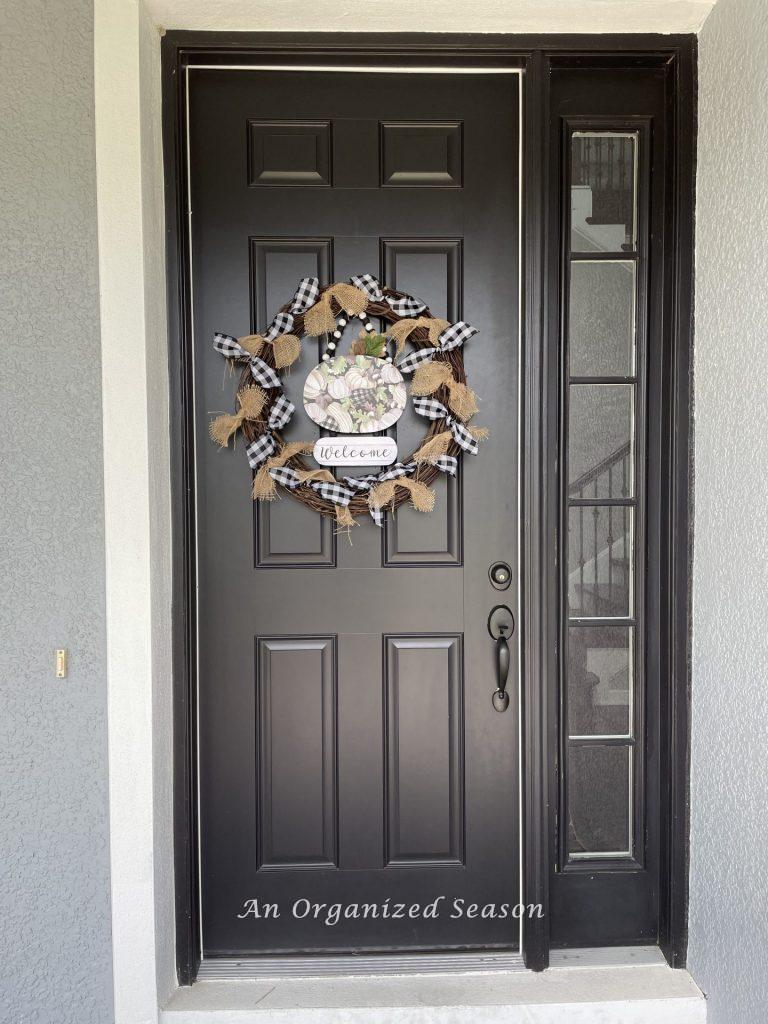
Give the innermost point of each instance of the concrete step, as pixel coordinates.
(562, 995)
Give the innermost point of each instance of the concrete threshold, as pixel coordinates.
(648, 994)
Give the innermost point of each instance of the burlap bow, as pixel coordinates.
(403, 329)
(321, 319)
(364, 485)
(286, 348)
(251, 402)
(381, 487)
(264, 488)
(433, 375)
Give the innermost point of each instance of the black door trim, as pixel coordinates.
(675, 58)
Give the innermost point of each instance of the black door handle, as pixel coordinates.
(501, 624)
(500, 696)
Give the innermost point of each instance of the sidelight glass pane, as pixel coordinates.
(599, 800)
(603, 191)
(600, 561)
(601, 322)
(600, 429)
(599, 680)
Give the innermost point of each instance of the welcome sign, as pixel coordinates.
(355, 450)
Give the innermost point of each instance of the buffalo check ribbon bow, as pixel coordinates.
(306, 295)
(232, 349)
(334, 492)
(363, 484)
(452, 337)
(405, 306)
(445, 463)
(434, 410)
(265, 445)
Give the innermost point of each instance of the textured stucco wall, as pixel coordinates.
(55, 956)
(728, 951)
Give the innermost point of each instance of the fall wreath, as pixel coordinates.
(362, 393)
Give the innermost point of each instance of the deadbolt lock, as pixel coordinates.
(500, 575)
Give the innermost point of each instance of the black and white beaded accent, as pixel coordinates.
(341, 323)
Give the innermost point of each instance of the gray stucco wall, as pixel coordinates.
(55, 957)
(728, 952)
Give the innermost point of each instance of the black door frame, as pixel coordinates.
(675, 58)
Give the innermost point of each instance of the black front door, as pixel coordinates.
(350, 757)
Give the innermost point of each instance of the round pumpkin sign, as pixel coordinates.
(355, 394)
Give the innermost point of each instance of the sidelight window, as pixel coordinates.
(603, 444)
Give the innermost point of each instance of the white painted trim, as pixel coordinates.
(436, 16)
(137, 504)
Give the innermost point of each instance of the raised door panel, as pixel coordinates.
(287, 532)
(425, 777)
(432, 268)
(296, 741)
(421, 154)
(289, 153)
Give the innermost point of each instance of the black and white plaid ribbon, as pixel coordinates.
(265, 445)
(446, 464)
(452, 337)
(435, 410)
(334, 492)
(363, 484)
(232, 349)
(306, 295)
(406, 306)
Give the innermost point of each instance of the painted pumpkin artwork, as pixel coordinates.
(355, 394)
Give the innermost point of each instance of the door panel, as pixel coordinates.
(290, 536)
(296, 687)
(348, 749)
(424, 780)
(432, 267)
(421, 154)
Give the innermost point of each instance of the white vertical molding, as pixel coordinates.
(126, 308)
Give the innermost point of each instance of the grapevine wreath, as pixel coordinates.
(362, 392)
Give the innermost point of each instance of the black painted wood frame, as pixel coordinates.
(675, 58)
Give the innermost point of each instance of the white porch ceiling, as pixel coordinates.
(432, 15)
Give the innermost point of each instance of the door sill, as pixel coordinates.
(560, 995)
(378, 965)
(356, 965)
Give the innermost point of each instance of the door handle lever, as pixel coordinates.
(500, 696)
(501, 623)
